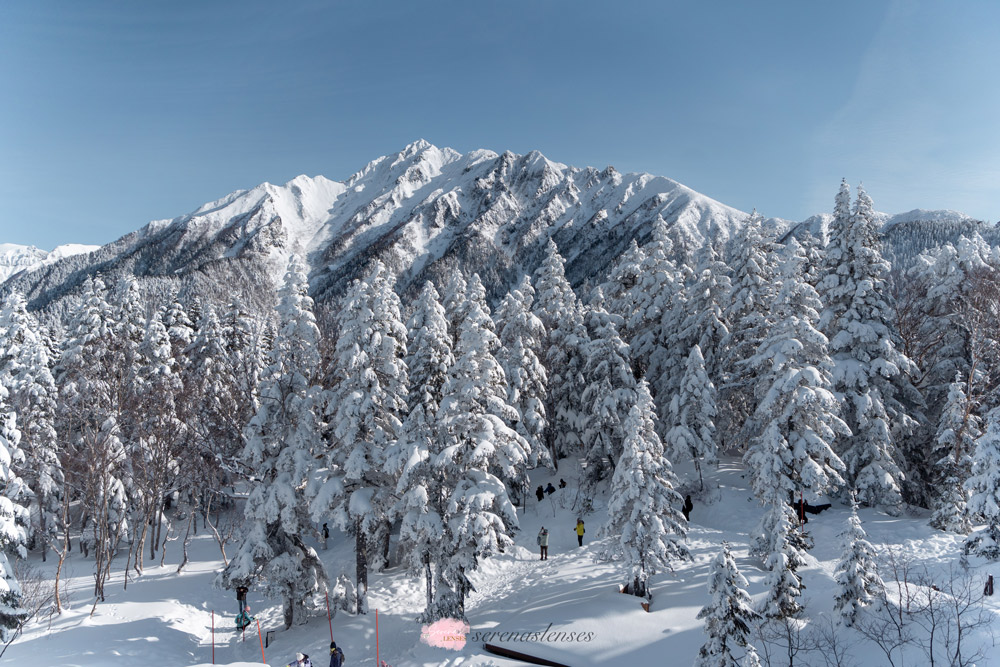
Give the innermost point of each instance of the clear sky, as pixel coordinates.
(114, 113)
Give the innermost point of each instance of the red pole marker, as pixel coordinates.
(213, 636)
(261, 638)
(328, 618)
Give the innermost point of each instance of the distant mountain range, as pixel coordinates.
(423, 211)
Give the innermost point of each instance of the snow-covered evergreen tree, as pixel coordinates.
(652, 297)
(25, 370)
(609, 395)
(456, 290)
(754, 285)
(703, 323)
(728, 615)
(482, 457)
(282, 439)
(784, 548)
(958, 430)
(565, 352)
(521, 335)
(13, 520)
(797, 410)
(624, 275)
(366, 401)
(857, 571)
(984, 489)
(693, 411)
(645, 528)
(422, 496)
(867, 361)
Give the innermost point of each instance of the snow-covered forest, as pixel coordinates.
(412, 422)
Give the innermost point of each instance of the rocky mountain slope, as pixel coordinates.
(423, 211)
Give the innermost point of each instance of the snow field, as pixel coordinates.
(165, 619)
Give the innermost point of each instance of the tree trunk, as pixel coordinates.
(288, 610)
(430, 585)
(361, 563)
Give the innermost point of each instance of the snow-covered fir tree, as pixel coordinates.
(366, 401)
(703, 322)
(867, 362)
(984, 490)
(422, 495)
(179, 326)
(215, 410)
(609, 395)
(619, 292)
(728, 615)
(455, 288)
(246, 359)
(13, 520)
(856, 573)
(645, 529)
(755, 275)
(25, 369)
(481, 458)
(282, 439)
(692, 412)
(784, 548)
(958, 430)
(565, 352)
(797, 410)
(521, 334)
(653, 297)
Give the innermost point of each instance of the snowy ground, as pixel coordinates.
(166, 619)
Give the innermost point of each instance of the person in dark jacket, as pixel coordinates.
(688, 506)
(241, 598)
(550, 489)
(540, 493)
(562, 483)
(325, 534)
(336, 655)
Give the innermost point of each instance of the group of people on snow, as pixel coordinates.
(336, 658)
(543, 538)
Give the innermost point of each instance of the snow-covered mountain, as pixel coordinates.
(15, 258)
(423, 211)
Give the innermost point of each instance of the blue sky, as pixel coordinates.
(116, 113)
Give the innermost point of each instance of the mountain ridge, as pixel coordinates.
(423, 211)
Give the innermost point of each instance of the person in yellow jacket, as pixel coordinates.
(579, 531)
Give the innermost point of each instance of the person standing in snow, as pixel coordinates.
(540, 493)
(543, 542)
(688, 506)
(579, 531)
(550, 489)
(241, 598)
(301, 660)
(336, 655)
(326, 535)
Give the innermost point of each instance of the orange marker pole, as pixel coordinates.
(261, 638)
(376, 639)
(328, 618)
